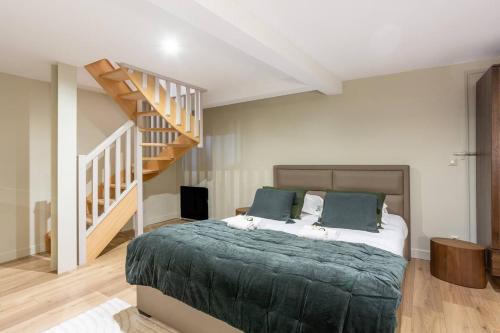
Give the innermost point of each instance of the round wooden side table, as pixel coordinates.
(458, 262)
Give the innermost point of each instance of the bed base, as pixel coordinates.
(178, 315)
(184, 318)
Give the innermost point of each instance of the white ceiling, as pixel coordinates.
(362, 38)
(243, 50)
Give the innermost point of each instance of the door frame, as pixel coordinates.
(471, 78)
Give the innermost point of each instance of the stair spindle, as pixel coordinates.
(188, 110)
(107, 176)
(95, 189)
(154, 124)
(167, 98)
(138, 219)
(140, 106)
(200, 121)
(157, 91)
(118, 166)
(128, 148)
(164, 134)
(178, 106)
(144, 81)
(197, 107)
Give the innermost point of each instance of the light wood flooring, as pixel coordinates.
(32, 298)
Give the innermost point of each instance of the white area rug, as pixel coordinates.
(113, 316)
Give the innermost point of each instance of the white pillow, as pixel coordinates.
(313, 204)
(384, 209)
(395, 221)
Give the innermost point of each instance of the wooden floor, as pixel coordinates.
(33, 299)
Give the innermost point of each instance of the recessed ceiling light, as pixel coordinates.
(171, 46)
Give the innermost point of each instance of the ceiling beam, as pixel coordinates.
(231, 22)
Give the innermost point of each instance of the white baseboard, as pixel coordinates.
(20, 253)
(421, 254)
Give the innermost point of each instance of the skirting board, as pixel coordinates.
(153, 220)
(20, 253)
(161, 218)
(420, 254)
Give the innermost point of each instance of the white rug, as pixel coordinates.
(114, 316)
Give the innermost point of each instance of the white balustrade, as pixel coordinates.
(101, 207)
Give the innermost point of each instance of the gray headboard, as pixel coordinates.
(393, 180)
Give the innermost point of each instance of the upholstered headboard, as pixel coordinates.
(393, 180)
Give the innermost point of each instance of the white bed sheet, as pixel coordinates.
(391, 237)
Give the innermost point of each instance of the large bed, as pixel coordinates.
(208, 277)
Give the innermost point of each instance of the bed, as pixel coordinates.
(271, 281)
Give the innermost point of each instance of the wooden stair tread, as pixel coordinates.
(115, 75)
(145, 130)
(122, 186)
(100, 201)
(147, 114)
(149, 171)
(157, 158)
(179, 145)
(173, 145)
(133, 96)
(154, 144)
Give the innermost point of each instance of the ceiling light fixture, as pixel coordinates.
(171, 46)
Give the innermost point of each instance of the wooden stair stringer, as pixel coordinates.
(100, 237)
(113, 88)
(121, 94)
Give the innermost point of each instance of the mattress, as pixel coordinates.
(391, 237)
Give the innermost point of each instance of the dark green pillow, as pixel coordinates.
(380, 206)
(272, 204)
(298, 202)
(351, 210)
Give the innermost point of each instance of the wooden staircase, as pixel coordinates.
(166, 122)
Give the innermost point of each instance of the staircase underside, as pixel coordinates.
(111, 225)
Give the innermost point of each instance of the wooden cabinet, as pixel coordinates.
(488, 164)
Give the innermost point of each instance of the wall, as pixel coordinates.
(417, 118)
(25, 167)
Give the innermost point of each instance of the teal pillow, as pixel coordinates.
(380, 206)
(298, 202)
(351, 210)
(272, 204)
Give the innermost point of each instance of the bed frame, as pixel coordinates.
(393, 180)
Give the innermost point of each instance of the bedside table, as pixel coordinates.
(242, 210)
(458, 262)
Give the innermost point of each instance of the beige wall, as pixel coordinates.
(25, 165)
(416, 118)
(25, 146)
